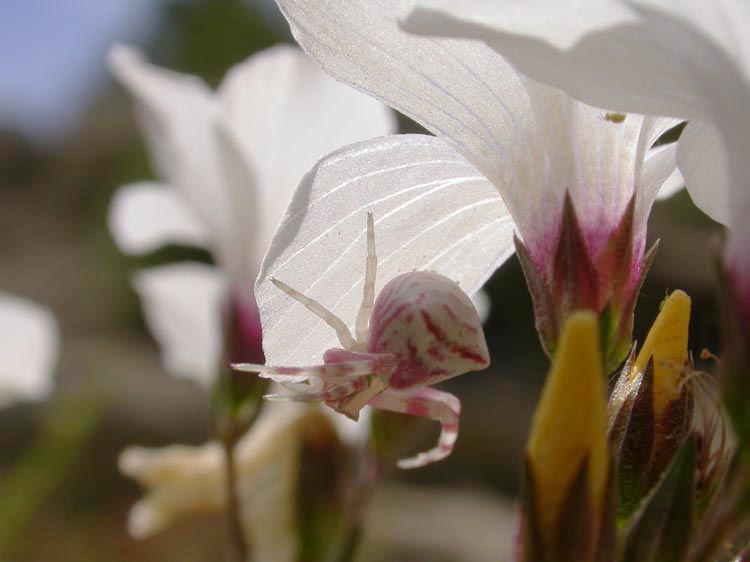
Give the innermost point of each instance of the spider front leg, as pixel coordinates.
(333, 391)
(368, 292)
(427, 403)
(356, 364)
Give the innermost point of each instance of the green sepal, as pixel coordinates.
(631, 436)
(239, 395)
(622, 340)
(661, 530)
(328, 486)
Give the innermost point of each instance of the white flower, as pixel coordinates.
(230, 161)
(505, 147)
(28, 350)
(688, 59)
(184, 480)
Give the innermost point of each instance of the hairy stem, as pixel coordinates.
(231, 432)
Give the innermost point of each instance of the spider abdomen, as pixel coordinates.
(430, 325)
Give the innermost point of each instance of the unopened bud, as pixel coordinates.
(567, 457)
(651, 409)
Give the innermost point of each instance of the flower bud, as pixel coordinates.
(274, 511)
(567, 492)
(651, 409)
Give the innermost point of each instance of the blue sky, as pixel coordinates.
(53, 54)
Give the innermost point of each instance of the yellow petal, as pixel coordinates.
(667, 342)
(570, 424)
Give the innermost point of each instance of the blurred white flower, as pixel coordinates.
(505, 147)
(28, 350)
(230, 161)
(688, 59)
(183, 480)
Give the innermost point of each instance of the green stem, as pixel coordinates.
(69, 426)
(231, 434)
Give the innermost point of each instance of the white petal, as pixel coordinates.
(654, 165)
(268, 472)
(738, 246)
(674, 183)
(432, 211)
(660, 57)
(703, 162)
(287, 113)
(178, 116)
(28, 350)
(145, 216)
(659, 166)
(585, 153)
(183, 308)
(461, 91)
(717, 176)
(559, 22)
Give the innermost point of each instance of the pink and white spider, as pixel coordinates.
(421, 329)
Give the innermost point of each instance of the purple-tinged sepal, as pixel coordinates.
(238, 397)
(575, 277)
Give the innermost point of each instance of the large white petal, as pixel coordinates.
(674, 183)
(460, 90)
(147, 215)
(655, 165)
(703, 162)
(28, 350)
(659, 166)
(432, 210)
(561, 23)
(178, 116)
(588, 154)
(183, 307)
(659, 57)
(287, 113)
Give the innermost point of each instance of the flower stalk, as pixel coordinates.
(238, 401)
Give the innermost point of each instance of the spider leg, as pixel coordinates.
(333, 393)
(348, 369)
(342, 331)
(428, 403)
(368, 296)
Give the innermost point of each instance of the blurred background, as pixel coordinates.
(67, 140)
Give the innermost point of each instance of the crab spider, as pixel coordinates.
(420, 330)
